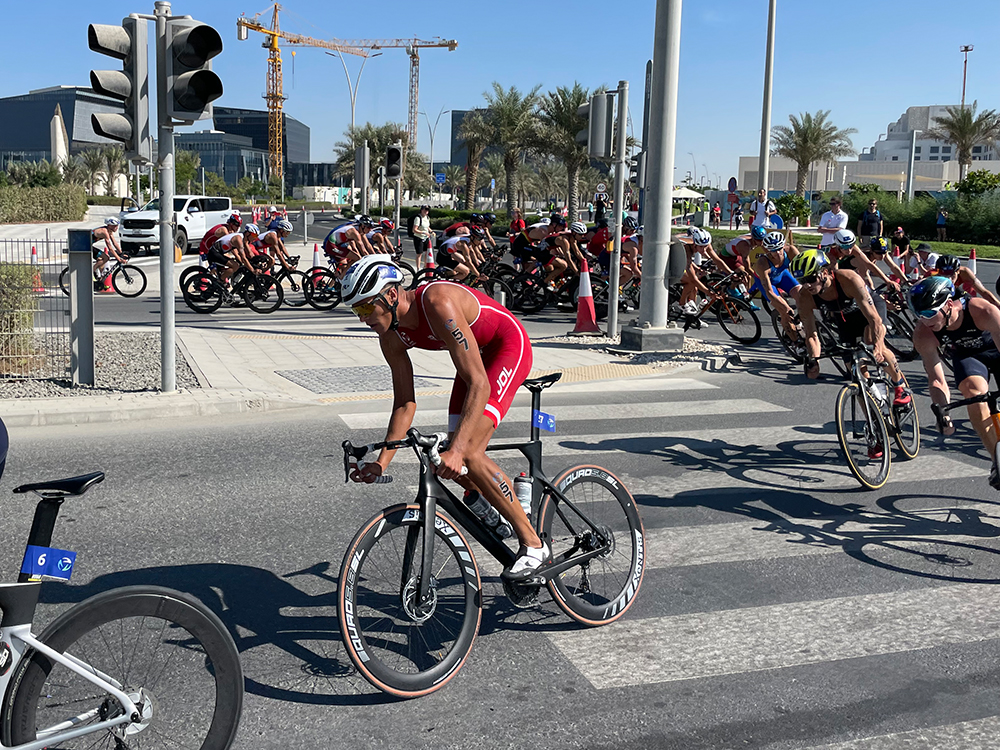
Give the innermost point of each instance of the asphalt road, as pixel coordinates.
(782, 607)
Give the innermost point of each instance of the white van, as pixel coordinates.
(194, 215)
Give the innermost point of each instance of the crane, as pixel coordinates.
(359, 47)
(274, 95)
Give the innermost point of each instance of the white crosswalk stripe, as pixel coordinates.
(964, 735)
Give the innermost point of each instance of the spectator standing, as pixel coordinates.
(942, 220)
(762, 209)
(900, 242)
(517, 223)
(684, 208)
(831, 222)
(600, 210)
(738, 215)
(590, 211)
(717, 215)
(870, 224)
(422, 231)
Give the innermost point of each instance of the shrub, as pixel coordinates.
(17, 306)
(791, 206)
(59, 203)
(978, 182)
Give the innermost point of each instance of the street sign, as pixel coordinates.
(439, 178)
(601, 197)
(732, 184)
(601, 187)
(733, 198)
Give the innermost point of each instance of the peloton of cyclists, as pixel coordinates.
(272, 242)
(458, 254)
(965, 281)
(231, 251)
(379, 238)
(108, 234)
(533, 243)
(347, 243)
(233, 224)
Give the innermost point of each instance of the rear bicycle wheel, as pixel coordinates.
(795, 349)
(863, 436)
(530, 294)
(128, 281)
(738, 319)
(499, 291)
(409, 272)
(263, 294)
(293, 287)
(423, 276)
(906, 428)
(601, 589)
(399, 645)
(899, 337)
(322, 290)
(64, 281)
(166, 650)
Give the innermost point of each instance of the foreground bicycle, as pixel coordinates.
(410, 595)
(126, 279)
(139, 666)
(866, 418)
(990, 399)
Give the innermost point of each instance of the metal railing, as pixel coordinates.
(34, 312)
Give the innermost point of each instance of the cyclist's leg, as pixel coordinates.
(973, 378)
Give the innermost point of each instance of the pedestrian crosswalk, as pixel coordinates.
(736, 490)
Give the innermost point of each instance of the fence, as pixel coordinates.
(34, 312)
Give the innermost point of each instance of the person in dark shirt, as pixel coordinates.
(870, 223)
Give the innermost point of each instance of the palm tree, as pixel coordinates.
(93, 164)
(73, 171)
(560, 124)
(494, 171)
(453, 176)
(515, 122)
(811, 139)
(964, 129)
(476, 132)
(186, 165)
(379, 137)
(114, 165)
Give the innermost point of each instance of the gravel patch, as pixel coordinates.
(695, 350)
(125, 362)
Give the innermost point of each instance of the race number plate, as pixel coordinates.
(48, 563)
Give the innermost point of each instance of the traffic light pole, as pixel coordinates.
(620, 168)
(165, 166)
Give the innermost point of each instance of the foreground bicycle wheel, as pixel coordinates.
(263, 294)
(400, 646)
(906, 428)
(322, 289)
(169, 653)
(499, 291)
(202, 293)
(738, 319)
(128, 281)
(863, 437)
(600, 590)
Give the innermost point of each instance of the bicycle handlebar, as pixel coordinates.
(431, 444)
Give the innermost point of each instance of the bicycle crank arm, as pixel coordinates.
(552, 570)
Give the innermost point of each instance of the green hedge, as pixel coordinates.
(103, 200)
(59, 203)
(17, 305)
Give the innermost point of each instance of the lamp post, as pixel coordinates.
(432, 132)
(965, 49)
(353, 91)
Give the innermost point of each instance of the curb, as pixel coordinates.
(83, 410)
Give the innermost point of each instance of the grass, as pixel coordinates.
(722, 236)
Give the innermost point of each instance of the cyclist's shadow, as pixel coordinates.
(270, 620)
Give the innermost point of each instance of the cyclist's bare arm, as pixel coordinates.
(239, 252)
(926, 344)
(404, 402)
(893, 268)
(966, 274)
(867, 267)
(365, 247)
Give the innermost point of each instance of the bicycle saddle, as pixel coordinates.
(535, 385)
(72, 486)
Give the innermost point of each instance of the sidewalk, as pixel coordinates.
(250, 372)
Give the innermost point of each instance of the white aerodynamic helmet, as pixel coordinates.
(368, 277)
(578, 227)
(845, 238)
(699, 236)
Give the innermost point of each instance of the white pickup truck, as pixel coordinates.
(193, 216)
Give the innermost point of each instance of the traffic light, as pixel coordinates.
(394, 162)
(191, 84)
(598, 135)
(130, 85)
(637, 170)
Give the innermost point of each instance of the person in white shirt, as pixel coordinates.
(762, 209)
(831, 222)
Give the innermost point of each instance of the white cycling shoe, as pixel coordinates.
(528, 562)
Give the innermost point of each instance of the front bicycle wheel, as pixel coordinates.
(409, 272)
(64, 281)
(202, 293)
(166, 650)
(530, 294)
(863, 436)
(263, 294)
(423, 276)
(738, 319)
(322, 289)
(128, 281)
(499, 291)
(601, 589)
(795, 348)
(400, 645)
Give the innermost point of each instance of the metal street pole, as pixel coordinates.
(620, 168)
(398, 191)
(966, 48)
(910, 163)
(203, 181)
(354, 95)
(652, 333)
(765, 120)
(165, 164)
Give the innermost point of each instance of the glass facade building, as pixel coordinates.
(252, 123)
(232, 157)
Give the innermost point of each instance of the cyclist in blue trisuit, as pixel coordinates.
(772, 265)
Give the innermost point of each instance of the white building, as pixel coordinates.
(894, 145)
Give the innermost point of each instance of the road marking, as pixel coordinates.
(755, 639)
(960, 736)
(662, 383)
(439, 417)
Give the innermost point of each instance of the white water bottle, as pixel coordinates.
(488, 514)
(522, 488)
(881, 393)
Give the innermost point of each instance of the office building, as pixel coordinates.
(252, 123)
(232, 157)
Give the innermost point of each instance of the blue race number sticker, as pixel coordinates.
(48, 562)
(544, 421)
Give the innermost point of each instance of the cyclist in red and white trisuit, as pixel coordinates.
(233, 224)
(347, 243)
(492, 354)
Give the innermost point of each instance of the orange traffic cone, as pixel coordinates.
(586, 315)
(430, 259)
(972, 260)
(37, 287)
(107, 284)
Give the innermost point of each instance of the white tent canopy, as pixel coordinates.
(684, 192)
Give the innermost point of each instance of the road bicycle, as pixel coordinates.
(990, 399)
(866, 418)
(137, 666)
(204, 292)
(409, 599)
(127, 280)
(735, 315)
(322, 285)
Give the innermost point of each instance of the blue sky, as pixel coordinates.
(865, 61)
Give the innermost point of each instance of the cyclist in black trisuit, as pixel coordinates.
(968, 328)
